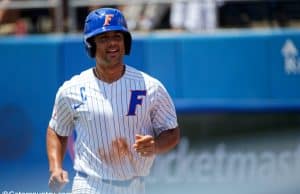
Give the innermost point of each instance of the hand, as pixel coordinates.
(58, 179)
(144, 145)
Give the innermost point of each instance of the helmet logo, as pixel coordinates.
(107, 20)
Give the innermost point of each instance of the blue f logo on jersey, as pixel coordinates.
(135, 100)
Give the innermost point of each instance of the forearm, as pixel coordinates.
(56, 148)
(167, 140)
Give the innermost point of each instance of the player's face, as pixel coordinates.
(110, 48)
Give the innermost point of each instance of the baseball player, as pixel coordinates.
(122, 116)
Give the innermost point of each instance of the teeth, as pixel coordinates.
(113, 50)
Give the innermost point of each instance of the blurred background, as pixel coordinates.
(232, 68)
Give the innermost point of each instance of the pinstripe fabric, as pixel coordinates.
(99, 112)
(92, 185)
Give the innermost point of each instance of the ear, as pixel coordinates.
(90, 47)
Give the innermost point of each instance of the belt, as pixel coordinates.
(120, 183)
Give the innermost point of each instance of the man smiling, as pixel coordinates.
(125, 116)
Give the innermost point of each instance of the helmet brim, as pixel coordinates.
(103, 30)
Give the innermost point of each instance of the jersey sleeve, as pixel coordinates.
(62, 118)
(163, 114)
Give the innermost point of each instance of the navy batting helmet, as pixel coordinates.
(105, 20)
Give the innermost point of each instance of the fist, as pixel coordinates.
(144, 145)
(58, 179)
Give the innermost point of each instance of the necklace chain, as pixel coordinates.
(96, 72)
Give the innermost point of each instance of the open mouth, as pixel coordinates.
(113, 53)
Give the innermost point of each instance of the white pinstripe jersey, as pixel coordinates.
(103, 114)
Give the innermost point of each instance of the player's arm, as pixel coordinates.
(167, 140)
(163, 117)
(147, 145)
(56, 148)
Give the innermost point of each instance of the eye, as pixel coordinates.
(107, 38)
(102, 39)
(117, 37)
